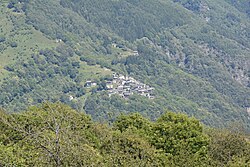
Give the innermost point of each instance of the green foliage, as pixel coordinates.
(229, 148)
(56, 135)
(52, 137)
(134, 18)
(125, 122)
(126, 149)
(167, 130)
(194, 53)
(172, 127)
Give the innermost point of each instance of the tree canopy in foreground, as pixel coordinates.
(54, 134)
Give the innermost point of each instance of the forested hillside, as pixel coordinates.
(56, 135)
(194, 53)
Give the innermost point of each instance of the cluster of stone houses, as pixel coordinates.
(89, 84)
(126, 86)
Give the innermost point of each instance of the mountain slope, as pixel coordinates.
(18, 40)
(194, 53)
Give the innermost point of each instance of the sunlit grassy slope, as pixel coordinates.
(20, 39)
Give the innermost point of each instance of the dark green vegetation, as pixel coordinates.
(56, 135)
(195, 53)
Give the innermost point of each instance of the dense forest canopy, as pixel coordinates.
(56, 135)
(194, 53)
(125, 83)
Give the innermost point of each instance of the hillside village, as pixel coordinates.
(125, 86)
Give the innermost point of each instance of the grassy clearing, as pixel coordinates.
(21, 40)
(93, 72)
